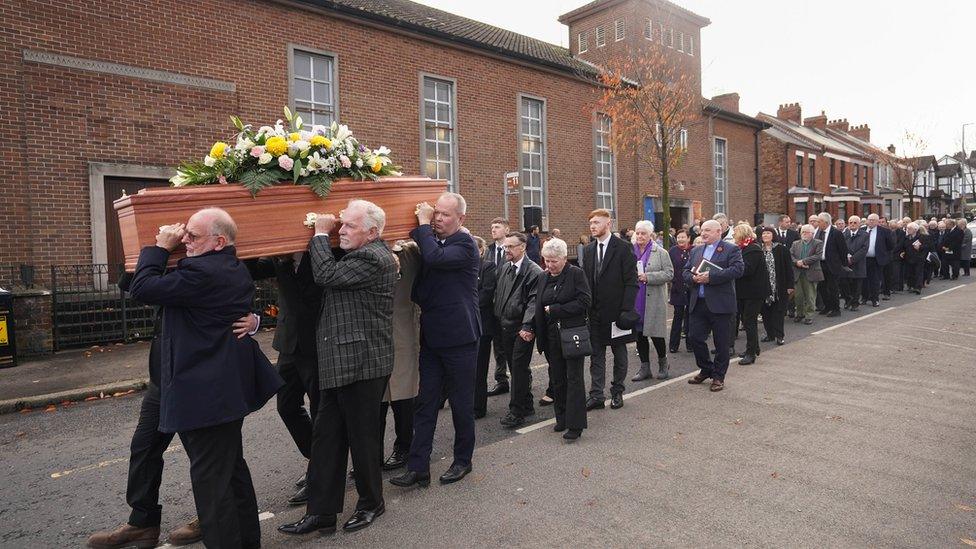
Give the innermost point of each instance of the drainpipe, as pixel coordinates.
(755, 135)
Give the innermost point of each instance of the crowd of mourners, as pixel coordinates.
(365, 329)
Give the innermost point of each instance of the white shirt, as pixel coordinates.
(518, 264)
(823, 255)
(606, 243)
(872, 237)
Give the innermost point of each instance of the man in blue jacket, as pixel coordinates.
(712, 302)
(450, 326)
(210, 379)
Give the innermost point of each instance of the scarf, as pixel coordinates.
(746, 242)
(771, 269)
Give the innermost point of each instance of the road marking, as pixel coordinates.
(266, 515)
(638, 392)
(939, 343)
(858, 319)
(944, 291)
(101, 464)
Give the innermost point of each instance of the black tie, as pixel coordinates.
(512, 271)
(498, 255)
(599, 263)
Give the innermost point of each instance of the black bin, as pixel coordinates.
(8, 348)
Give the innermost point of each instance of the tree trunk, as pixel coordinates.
(665, 228)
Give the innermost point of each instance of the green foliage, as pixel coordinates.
(255, 180)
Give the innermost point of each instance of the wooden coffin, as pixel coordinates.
(270, 223)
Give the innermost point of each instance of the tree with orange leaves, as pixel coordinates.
(650, 100)
(906, 166)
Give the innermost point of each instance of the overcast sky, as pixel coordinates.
(896, 65)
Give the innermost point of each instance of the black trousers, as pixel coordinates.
(501, 360)
(749, 312)
(481, 374)
(915, 274)
(568, 387)
(644, 347)
(851, 288)
(518, 354)
(893, 277)
(679, 325)
(347, 423)
(222, 488)
(874, 280)
(965, 263)
(774, 315)
(301, 375)
(701, 322)
(146, 463)
(829, 291)
(402, 423)
(953, 270)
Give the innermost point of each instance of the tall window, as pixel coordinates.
(648, 29)
(720, 174)
(584, 42)
(606, 185)
(799, 170)
(833, 170)
(800, 213)
(533, 140)
(683, 139)
(843, 173)
(618, 30)
(812, 180)
(601, 39)
(681, 41)
(857, 176)
(670, 37)
(439, 117)
(842, 210)
(313, 87)
(691, 45)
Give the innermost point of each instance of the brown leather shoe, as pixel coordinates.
(716, 386)
(125, 536)
(186, 534)
(698, 379)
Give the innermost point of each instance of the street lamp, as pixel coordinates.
(965, 164)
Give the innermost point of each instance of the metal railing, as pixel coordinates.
(88, 308)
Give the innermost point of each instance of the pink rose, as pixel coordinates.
(286, 162)
(257, 151)
(222, 179)
(346, 163)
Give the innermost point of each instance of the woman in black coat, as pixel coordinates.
(751, 289)
(678, 297)
(779, 268)
(562, 299)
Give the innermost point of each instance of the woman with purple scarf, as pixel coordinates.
(654, 271)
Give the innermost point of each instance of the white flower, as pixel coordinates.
(306, 135)
(178, 180)
(301, 145)
(243, 143)
(319, 129)
(382, 151)
(342, 132)
(265, 158)
(359, 162)
(265, 130)
(310, 219)
(209, 161)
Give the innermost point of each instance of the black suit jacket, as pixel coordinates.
(569, 308)
(208, 376)
(487, 280)
(515, 298)
(299, 301)
(952, 242)
(491, 254)
(835, 251)
(788, 240)
(883, 244)
(447, 289)
(615, 289)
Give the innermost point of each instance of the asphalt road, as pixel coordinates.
(854, 436)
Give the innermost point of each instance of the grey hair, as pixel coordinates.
(711, 223)
(826, 217)
(644, 224)
(221, 223)
(373, 215)
(807, 227)
(720, 217)
(912, 225)
(874, 216)
(961, 223)
(462, 204)
(853, 219)
(554, 247)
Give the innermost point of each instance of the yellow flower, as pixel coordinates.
(377, 165)
(218, 149)
(276, 145)
(320, 140)
(294, 136)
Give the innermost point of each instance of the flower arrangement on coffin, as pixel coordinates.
(287, 151)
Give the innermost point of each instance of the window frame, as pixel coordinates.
(800, 162)
(292, 49)
(583, 42)
(619, 30)
(598, 150)
(648, 29)
(725, 174)
(453, 184)
(691, 46)
(601, 37)
(681, 41)
(544, 160)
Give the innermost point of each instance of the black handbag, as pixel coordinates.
(575, 342)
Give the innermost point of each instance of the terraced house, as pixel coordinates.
(86, 120)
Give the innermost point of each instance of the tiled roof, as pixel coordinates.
(445, 25)
(810, 137)
(595, 4)
(948, 170)
(922, 162)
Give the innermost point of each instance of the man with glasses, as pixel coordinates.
(210, 378)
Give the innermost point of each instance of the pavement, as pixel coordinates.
(858, 432)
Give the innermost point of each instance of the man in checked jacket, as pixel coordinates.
(355, 358)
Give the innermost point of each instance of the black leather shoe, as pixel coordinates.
(853, 308)
(498, 389)
(410, 478)
(558, 428)
(302, 480)
(767, 338)
(833, 313)
(363, 518)
(875, 303)
(512, 421)
(673, 350)
(616, 402)
(748, 359)
(780, 341)
(478, 414)
(300, 497)
(325, 524)
(808, 321)
(395, 461)
(455, 473)
(545, 401)
(594, 404)
(572, 434)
